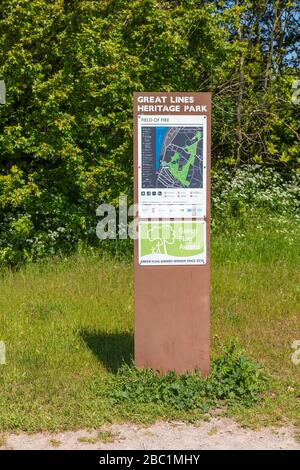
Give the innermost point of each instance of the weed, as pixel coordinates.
(2, 441)
(107, 437)
(213, 431)
(234, 379)
(55, 442)
(88, 440)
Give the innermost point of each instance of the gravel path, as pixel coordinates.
(218, 433)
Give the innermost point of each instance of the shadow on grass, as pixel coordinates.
(112, 349)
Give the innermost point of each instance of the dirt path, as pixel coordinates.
(218, 433)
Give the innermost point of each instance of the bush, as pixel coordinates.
(254, 188)
(66, 129)
(234, 380)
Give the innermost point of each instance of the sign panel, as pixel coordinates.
(172, 252)
(172, 166)
(172, 243)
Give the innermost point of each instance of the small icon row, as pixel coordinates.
(154, 193)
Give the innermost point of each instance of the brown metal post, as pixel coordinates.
(172, 303)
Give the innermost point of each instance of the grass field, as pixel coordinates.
(68, 324)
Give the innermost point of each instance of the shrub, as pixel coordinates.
(254, 188)
(66, 129)
(234, 379)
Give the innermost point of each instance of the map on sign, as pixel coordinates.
(172, 166)
(172, 157)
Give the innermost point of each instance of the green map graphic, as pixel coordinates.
(172, 156)
(181, 173)
(175, 239)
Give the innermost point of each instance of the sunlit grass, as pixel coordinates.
(67, 324)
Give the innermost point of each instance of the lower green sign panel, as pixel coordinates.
(171, 243)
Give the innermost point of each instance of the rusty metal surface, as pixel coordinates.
(172, 303)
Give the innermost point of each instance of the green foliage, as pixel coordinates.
(66, 130)
(70, 69)
(234, 379)
(252, 189)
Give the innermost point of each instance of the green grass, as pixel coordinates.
(88, 440)
(107, 437)
(68, 327)
(2, 441)
(55, 442)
